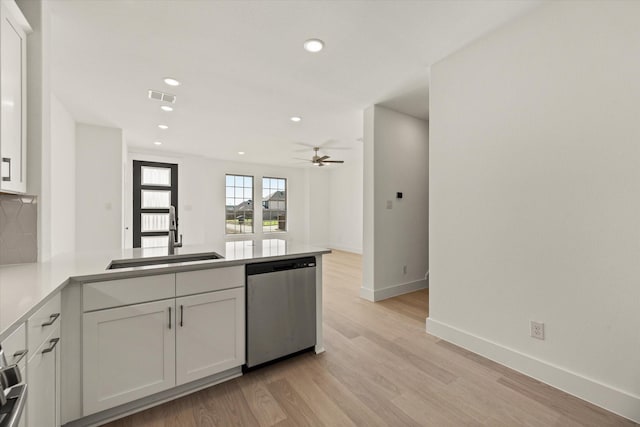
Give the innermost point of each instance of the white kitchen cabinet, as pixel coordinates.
(132, 349)
(128, 353)
(43, 397)
(209, 334)
(13, 91)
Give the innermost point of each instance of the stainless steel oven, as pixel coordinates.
(13, 393)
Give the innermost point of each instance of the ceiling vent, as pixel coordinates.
(161, 96)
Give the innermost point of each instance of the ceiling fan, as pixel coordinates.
(321, 160)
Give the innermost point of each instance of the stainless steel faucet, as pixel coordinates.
(173, 229)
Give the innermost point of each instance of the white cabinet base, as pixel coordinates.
(129, 353)
(209, 334)
(154, 400)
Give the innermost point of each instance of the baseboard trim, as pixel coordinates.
(605, 396)
(346, 249)
(393, 291)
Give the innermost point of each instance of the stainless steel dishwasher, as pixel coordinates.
(281, 309)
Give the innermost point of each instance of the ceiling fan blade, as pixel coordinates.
(298, 158)
(333, 161)
(304, 144)
(335, 148)
(323, 158)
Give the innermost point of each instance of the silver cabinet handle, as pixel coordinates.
(169, 317)
(181, 315)
(52, 345)
(7, 160)
(52, 319)
(19, 355)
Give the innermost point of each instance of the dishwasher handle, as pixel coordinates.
(284, 265)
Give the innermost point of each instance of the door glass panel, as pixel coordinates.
(156, 176)
(155, 222)
(156, 199)
(154, 241)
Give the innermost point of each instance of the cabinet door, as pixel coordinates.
(13, 108)
(43, 394)
(128, 353)
(210, 334)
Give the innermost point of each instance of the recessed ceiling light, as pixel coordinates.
(241, 153)
(171, 81)
(163, 127)
(166, 108)
(158, 143)
(313, 45)
(296, 119)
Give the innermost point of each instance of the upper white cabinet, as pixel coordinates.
(13, 94)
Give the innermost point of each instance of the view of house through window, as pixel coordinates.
(239, 204)
(274, 204)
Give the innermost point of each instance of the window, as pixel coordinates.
(155, 189)
(239, 204)
(274, 204)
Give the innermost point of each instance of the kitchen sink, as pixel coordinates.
(170, 259)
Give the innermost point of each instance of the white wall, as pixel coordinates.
(345, 193)
(396, 159)
(201, 195)
(63, 179)
(319, 202)
(99, 187)
(535, 147)
(38, 114)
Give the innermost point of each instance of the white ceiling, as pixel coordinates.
(245, 73)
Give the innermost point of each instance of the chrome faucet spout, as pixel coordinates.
(173, 229)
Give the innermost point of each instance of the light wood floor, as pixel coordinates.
(380, 369)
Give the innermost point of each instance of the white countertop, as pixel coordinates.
(24, 288)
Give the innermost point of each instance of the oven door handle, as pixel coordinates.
(18, 398)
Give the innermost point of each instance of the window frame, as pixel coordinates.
(253, 200)
(138, 210)
(286, 205)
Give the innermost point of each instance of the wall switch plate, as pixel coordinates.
(389, 204)
(537, 330)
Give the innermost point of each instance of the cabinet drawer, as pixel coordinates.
(42, 323)
(114, 293)
(199, 281)
(15, 345)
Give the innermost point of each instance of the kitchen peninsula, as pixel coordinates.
(146, 320)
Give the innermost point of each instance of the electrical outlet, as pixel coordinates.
(404, 269)
(537, 330)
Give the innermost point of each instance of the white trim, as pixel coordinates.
(101, 418)
(392, 291)
(367, 294)
(603, 395)
(349, 249)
